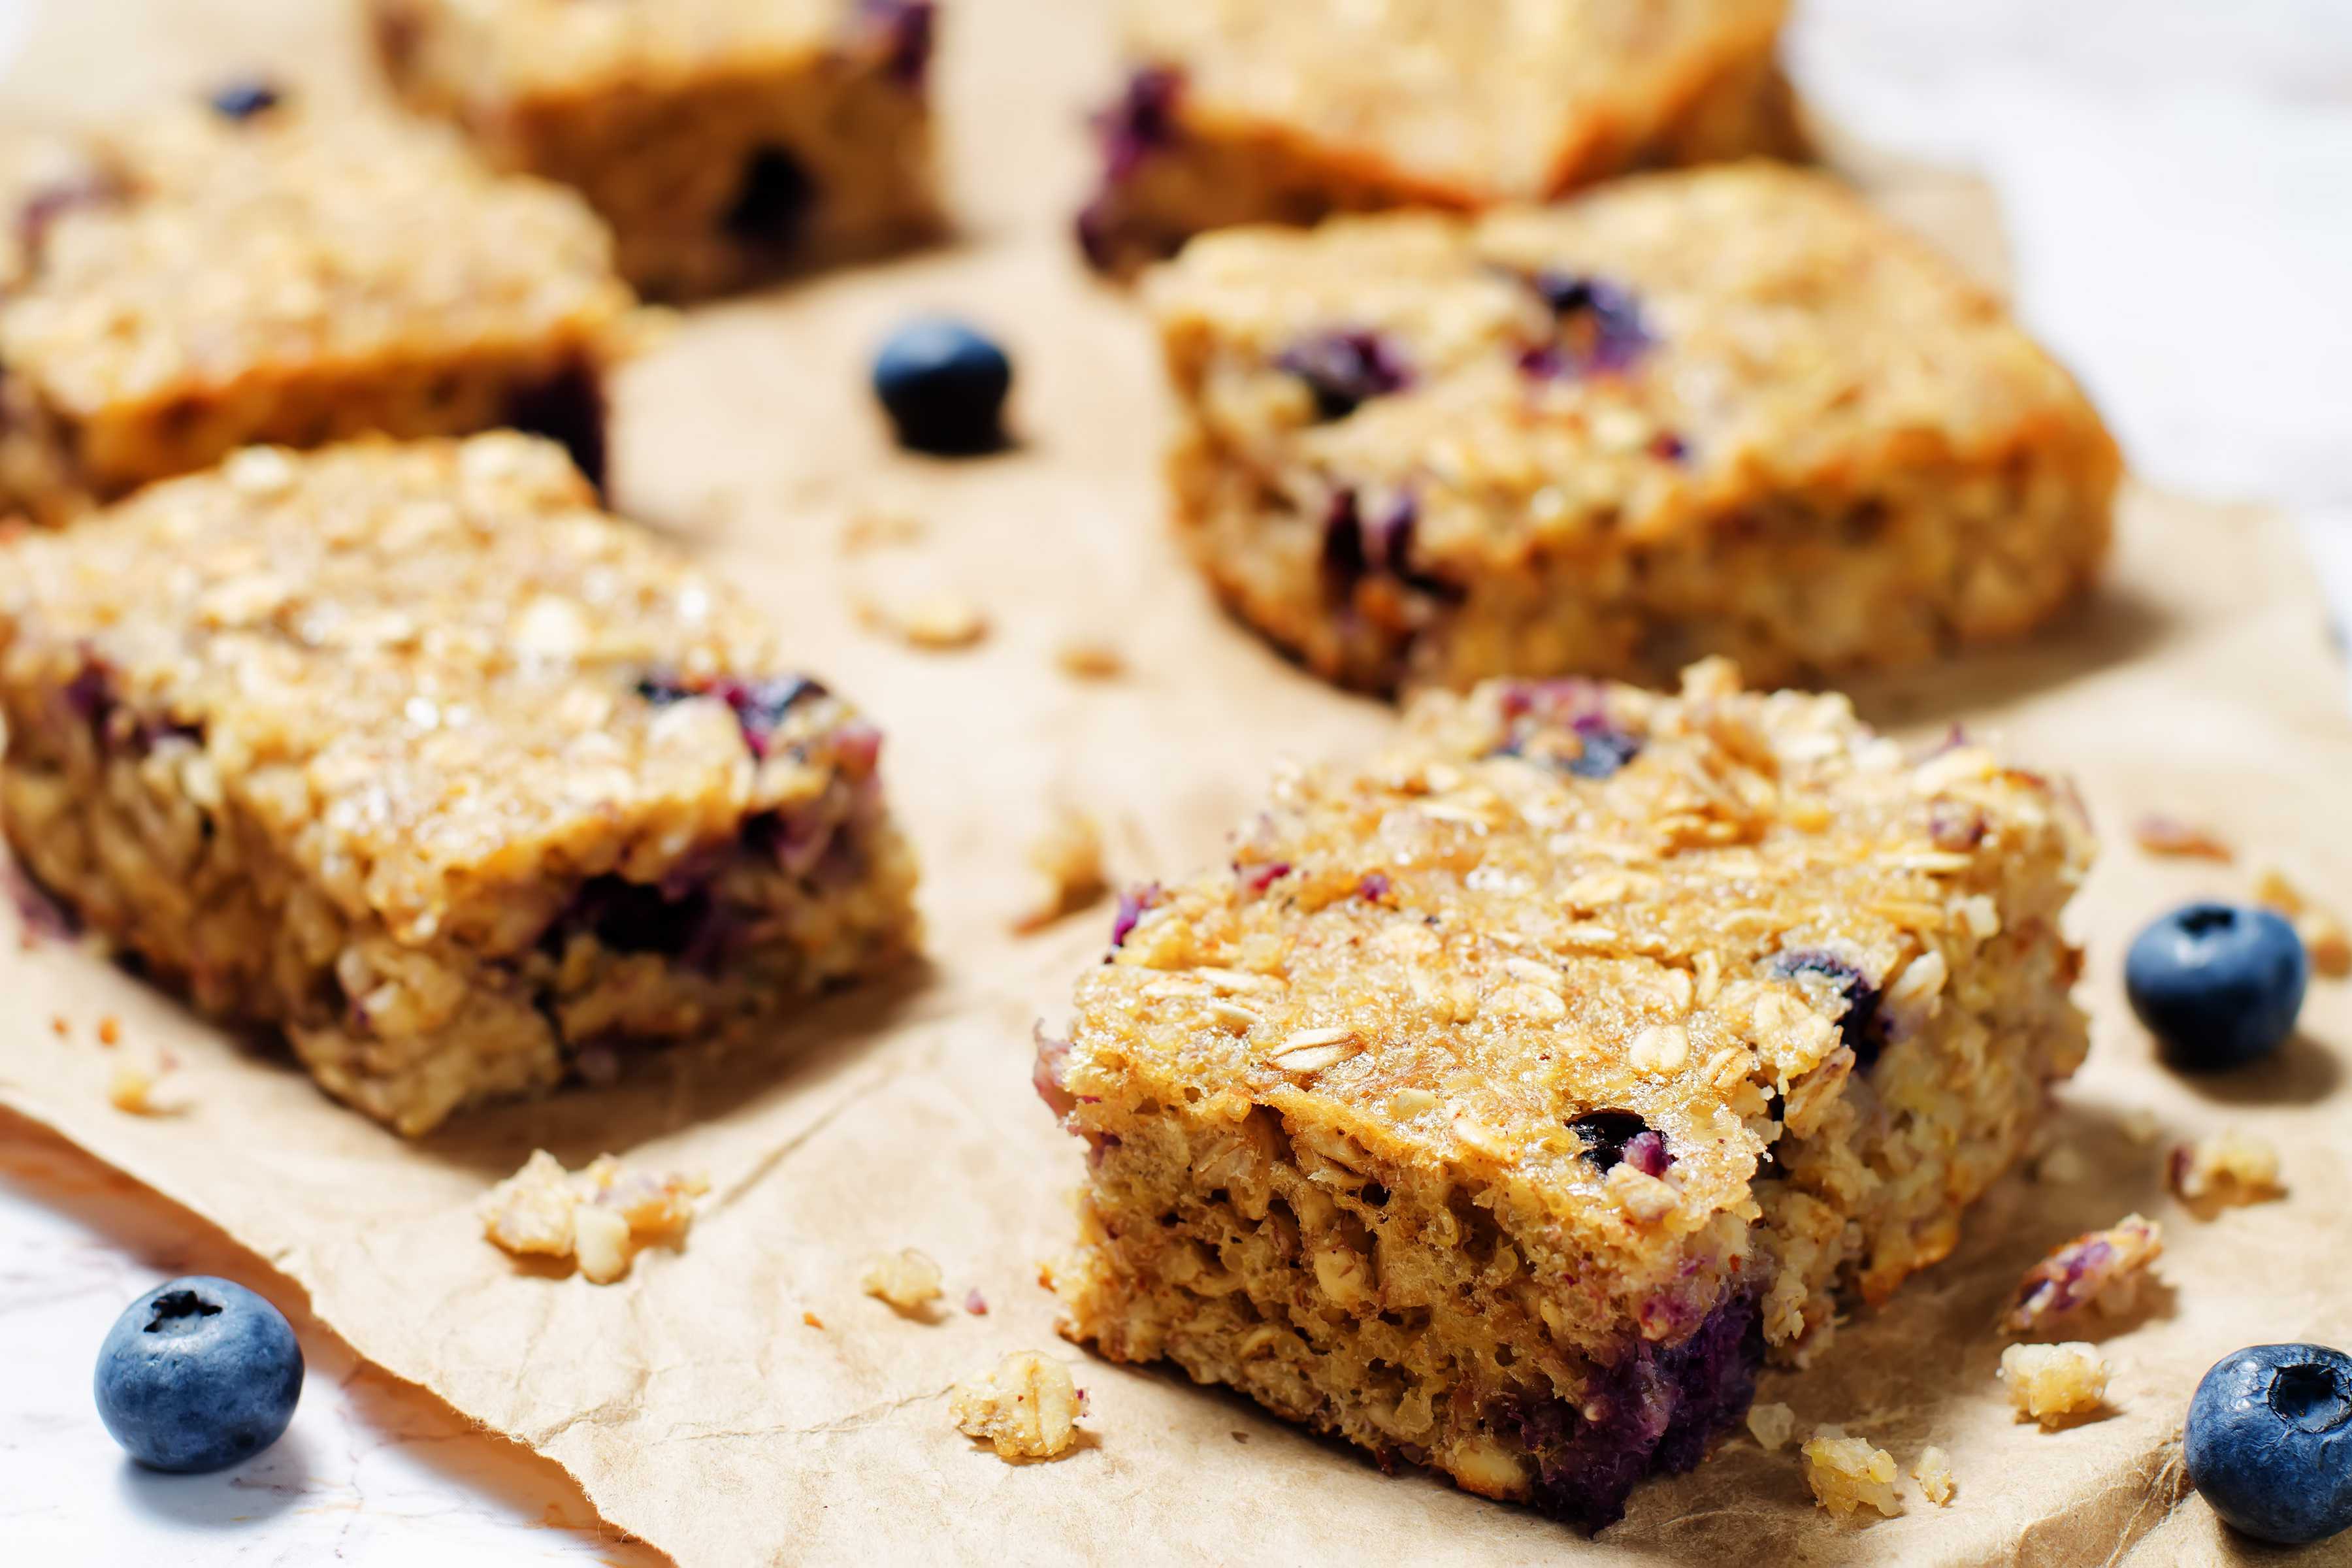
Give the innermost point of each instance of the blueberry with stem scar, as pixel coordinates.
(944, 384)
(197, 1374)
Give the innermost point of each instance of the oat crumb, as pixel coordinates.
(1028, 1408)
(1090, 658)
(1771, 1425)
(2141, 1126)
(59, 1028)
(2323, 934)
(1849, 1474)
(2063, 1165)
(871, 530)
(941, 621)
(2161, 835)
(1067, 863)
(907, 1279)
(1933, 1471)
(136, 1086)
(2226, 1167)
(110, 1030)
(2101, 1269)
(600, 1216)
(812, 1320)
(2051, 1383)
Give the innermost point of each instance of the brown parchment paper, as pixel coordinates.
(694, 1404)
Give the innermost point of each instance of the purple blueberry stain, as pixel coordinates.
(1611, 1138)
(43, 209)
(1346, 369)
(907, 32)
(1345, 560)
(1601, 329)
(1375, 887)
(1132, 906)
(1563, 725)
(1139, 122)
(1258, 877)
(1862, 1026)
(761, 704)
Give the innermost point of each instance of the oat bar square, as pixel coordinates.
(1722, 412)
(1505, 1102)
(411, 751)
(725, 141)
(209, 278)
(1240, 111)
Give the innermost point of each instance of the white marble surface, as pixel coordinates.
(2178, 174)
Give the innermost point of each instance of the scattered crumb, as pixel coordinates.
(1028, 1408)
(1090, 658)
(1848, 1474)
(2141, 1126)
(2161, 835)
(940, 621)
(59, 1028)
(2050, 1383)
(1067, 860)
(1771, 1425)
(601, 1217)
(2063, 1165)
(2324, 935)
(907, 1279)
(870, 531)
(110, 1030)
(1933, 1471)
(136, 1086)
(1645, 1198)
(975, 1303)
(2102, 1269)
(2227, 1167)
(1241, 1438)
(812, 1320)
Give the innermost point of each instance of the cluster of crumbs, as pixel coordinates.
(907, 1279)
(600, 1216)
(1933, 1471)
(1025, 1408)
(144, 1084)
(2101, 1269)
(2324, 935)
(2052, 1383)
(1848, 1474)
(2226, 1167)
(1067, 860)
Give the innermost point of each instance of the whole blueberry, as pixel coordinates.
(943, 384)
(2218, 986)
(197, 1374)
(244, 99)
(2270, 1441)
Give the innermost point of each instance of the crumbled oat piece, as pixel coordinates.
(870, 531)
(812, 1320)
(2324, 935)
(2141, 1126)
(940, 620)
(2061, 1166)
(600, 1217)
(1645, 1198)
(1933, 1471)
(1848, 1474)
(2102, 1269)
(1068, 860)
(135, 1087)
(907, 1279)
(2050, 1383)
(1772, 1424)
(1028, 1408)
(2226, 1167)
(1090, 658)
(59, 1028)
(2161, 835)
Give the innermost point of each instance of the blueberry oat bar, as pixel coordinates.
(254, 271)
(1503, 1104)
(413, 752)
(1238, 111)
(1722, 412)
(725, 141)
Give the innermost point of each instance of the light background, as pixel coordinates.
(2177, 179)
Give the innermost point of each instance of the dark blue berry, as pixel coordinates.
(943, 384)
(243, 99)
(2218, 986)
(1621, 1137)
(1863, 1029)
(1346, 370)
(197, 1374)
(1601, 330)
(2270, 1441)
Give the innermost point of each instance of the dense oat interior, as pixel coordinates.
(1506, 1102)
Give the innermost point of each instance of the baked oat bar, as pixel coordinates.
(254, 271)
(413, 752)
(1503, 1103)
(1728, 411)
(725, 141)
(1239, 112)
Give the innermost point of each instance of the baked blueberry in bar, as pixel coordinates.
(1719, 412)
(1238, 111)
(725, 141)
(1507, 1101)
(248, 270)
(412, 752)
